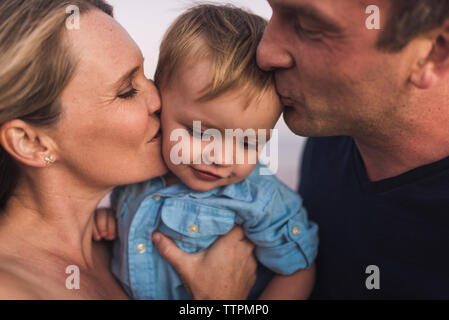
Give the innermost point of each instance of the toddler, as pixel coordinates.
(209, 82)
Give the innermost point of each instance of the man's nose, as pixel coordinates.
(272, 53)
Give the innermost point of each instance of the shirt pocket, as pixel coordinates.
(193, 225)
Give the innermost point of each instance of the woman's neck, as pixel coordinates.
(52, 218)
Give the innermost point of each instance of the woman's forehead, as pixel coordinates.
(102, 47)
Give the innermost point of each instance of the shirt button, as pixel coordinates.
(296, 230)
(193, 228)
(141, 247)
(157, 197)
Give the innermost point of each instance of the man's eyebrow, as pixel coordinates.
(312, 13)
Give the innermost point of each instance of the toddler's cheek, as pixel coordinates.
(241, 172)
(166, 147)
(249, 168)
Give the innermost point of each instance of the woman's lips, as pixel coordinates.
(205, 175)
(157, 137)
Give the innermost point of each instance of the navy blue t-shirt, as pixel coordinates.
(400, 225)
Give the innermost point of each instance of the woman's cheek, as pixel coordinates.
(135, 128)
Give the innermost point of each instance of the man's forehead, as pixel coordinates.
(329, 8)
(333, 15)
(323, 3)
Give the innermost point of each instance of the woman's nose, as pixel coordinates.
(272, 53)
(153, 99)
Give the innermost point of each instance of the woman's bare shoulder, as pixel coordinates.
(22, 280)
(13, 287)
(19, 280)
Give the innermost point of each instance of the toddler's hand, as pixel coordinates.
(104, 224)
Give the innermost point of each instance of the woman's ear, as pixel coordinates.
(25, 143)
(434, 65)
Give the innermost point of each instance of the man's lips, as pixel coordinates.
(205, 175)
(286, 101)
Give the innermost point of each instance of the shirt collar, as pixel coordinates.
(238, 191)
(176, 190)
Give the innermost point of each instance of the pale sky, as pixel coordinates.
(147, 20)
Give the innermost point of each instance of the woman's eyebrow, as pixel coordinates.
(126, 77)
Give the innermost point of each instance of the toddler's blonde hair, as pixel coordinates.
(226, 34)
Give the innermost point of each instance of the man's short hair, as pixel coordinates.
(226, 34)
(410, 18)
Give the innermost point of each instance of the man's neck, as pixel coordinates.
(397, 155)
(416, 135)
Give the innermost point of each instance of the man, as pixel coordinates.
(378, 186)
(377, 181)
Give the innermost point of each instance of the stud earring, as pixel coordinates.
(49, 161)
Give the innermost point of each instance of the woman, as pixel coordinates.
(78, 117)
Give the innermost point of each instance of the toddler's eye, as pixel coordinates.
(128, 95)
(248, 145)
(192, 132)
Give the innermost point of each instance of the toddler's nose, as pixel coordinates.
(217, 159)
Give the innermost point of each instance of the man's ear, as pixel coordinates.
(25, 143)
(435, 65)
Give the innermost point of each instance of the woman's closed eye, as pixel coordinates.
(129, 94)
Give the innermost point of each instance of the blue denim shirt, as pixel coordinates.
(271, 214)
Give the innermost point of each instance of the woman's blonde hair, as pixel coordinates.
(229, 36)
(35, 67)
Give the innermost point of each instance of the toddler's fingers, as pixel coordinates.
(101, 220)
(96, 234)
(112, 226)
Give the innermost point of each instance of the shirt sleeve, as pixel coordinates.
(286, 241)
(115, 195)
